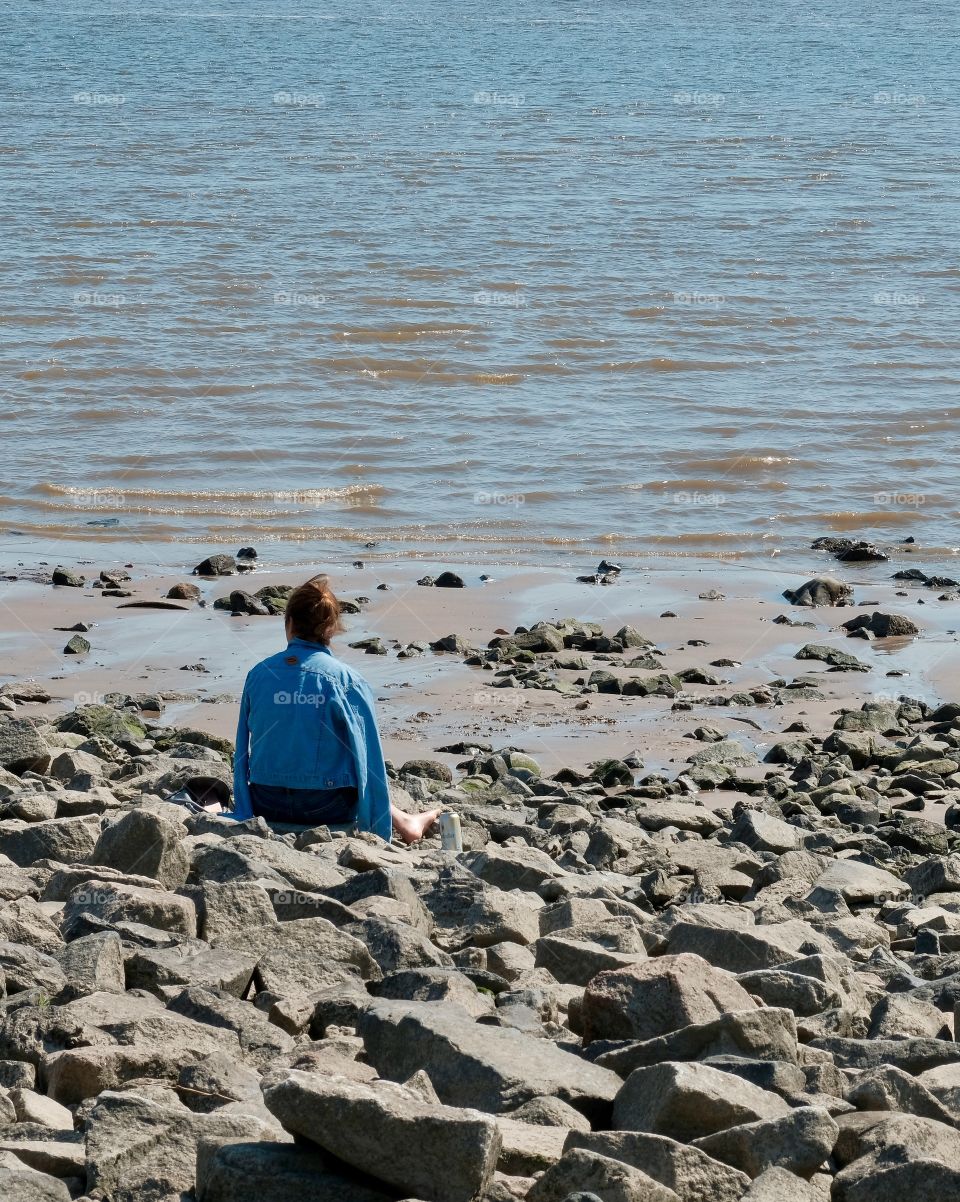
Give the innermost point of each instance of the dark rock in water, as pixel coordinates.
(274, 596)
(247, 553)
(882, 625)
(427, 581)
(240, 602)
(383, 588)
(216, 565)
(611, 773)
(850, 550)
(452, 643)
(923, 578)
(68, 578)
(783, 620)
(184, 592)
(83, 627)
(151, 605)
(605, 567)
(448, 580)
(78, 645)
(104, 522)
(372, 646)
(821, 590)
(842, 661)
(113, 577)
(711, 595)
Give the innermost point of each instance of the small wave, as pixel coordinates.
(301, 495)
(852, 519)
(670, 365)
(406, 333)
(702, 484)
(744, 462)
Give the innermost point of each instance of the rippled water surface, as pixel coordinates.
(626, 275)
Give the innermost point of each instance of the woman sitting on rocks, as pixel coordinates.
(308, 751)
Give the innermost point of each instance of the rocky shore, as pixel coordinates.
(733, 977)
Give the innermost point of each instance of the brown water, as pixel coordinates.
(526, 283)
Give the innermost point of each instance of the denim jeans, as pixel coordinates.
(304, 807)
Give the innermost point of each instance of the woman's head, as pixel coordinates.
(313, 612)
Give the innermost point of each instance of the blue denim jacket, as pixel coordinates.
(307, 722)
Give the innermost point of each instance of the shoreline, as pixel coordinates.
(433, 699)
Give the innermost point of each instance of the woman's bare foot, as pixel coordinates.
(412, 827)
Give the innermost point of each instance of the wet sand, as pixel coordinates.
(435, 699)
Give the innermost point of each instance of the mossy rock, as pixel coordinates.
(518, 760)
(171, 735)
(611, 773)
(101, 720)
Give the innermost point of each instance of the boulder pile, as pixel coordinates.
(613, 992)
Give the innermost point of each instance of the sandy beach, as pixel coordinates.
(195, 656)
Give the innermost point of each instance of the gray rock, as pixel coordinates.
(261, 1042)
(20, 1183)
(65, 840)
(686, 1101)
(799, 1142)
(114, 903)
(524, 868)
(306, 954)
(762, 832)
(22, 748)
(904, 1157)
(760, 1034)
(494, 1068)
(780, 1185)
(582, 1171)
(438, 1153)
(890, 1088)
(821, 590)
(93, 964)
(144, 843)
(658, 996)
(142, 1149)
(272, 1172)
(746, 949)
(690, 1173)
